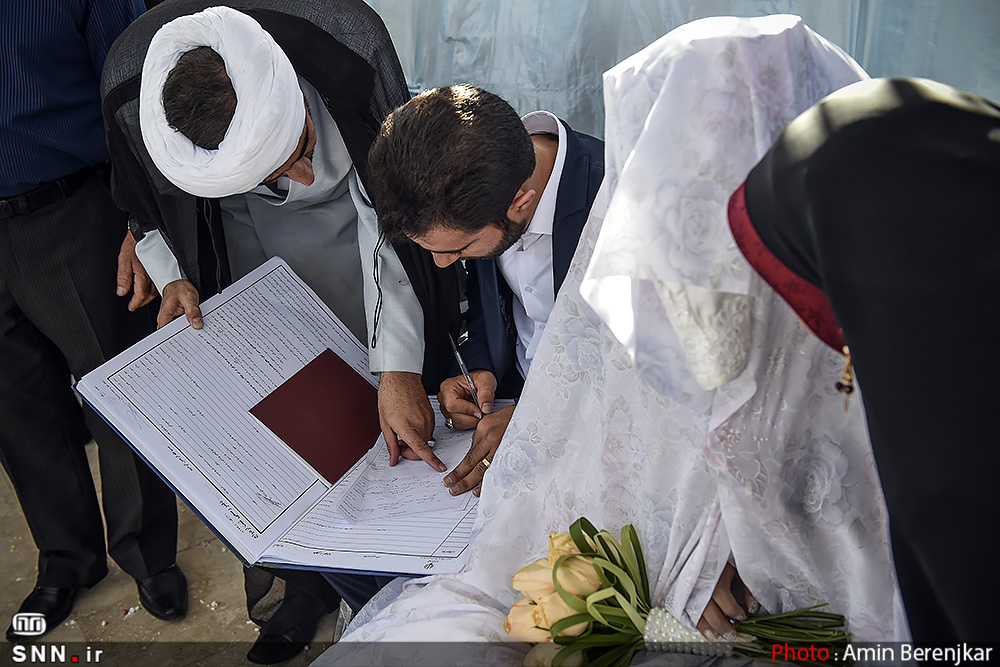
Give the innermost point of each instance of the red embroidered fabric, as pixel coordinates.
(807, 300)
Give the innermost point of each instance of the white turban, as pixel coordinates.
(270, 111)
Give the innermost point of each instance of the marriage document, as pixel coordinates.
(182, 397)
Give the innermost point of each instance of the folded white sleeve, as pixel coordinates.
(159, 261)
(396, 339)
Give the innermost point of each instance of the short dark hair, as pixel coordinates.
(198, 97)
(453, 156)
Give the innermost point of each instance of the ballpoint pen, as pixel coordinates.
(465, 370)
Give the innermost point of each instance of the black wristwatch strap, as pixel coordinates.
(136, 229)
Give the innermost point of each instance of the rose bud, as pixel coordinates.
(534, 581)
(577, 575)
(551, 609)
(562, 544)
(520, 623)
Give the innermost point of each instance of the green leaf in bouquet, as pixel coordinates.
(599, 639)
(601, 613)
(579, 530)
(564, 654)
(801, 628)
(623, 583)
(805, 612)
(627, 570)
(628, 611)
(617, 656)
(609, 548)
(630, 539)
(569, 622)
(605, 579)
(616, 619)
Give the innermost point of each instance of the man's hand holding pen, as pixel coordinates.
(457, 401)
(458, 404)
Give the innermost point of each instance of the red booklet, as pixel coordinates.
(326, 412)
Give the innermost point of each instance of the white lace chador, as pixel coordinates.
(674, 390)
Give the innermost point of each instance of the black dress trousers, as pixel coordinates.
(59, 315)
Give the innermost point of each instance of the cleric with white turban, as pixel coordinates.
(270, 113)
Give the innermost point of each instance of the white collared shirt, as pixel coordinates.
(527, 265)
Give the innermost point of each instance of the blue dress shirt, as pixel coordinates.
(51, 56)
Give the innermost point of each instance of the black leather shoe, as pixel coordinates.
(270, 649)
(164, 594)
(55, 604)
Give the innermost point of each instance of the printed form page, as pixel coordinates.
(181, 398)
(404, 520)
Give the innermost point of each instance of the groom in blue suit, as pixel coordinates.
(458, 172)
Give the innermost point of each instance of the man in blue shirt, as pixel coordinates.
(60, 235)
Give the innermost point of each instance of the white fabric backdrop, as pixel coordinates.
(550, 54)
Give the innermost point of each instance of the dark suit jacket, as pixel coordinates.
(492, 334)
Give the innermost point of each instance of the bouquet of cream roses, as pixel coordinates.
(589, 603)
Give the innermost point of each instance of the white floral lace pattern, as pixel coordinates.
(767, 468)
(714, 330)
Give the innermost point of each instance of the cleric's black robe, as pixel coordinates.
(343, 49)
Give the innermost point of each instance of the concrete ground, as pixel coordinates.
(216, 631)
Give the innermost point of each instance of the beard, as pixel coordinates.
(512, 232)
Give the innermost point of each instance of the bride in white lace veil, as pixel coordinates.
(675, 390)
